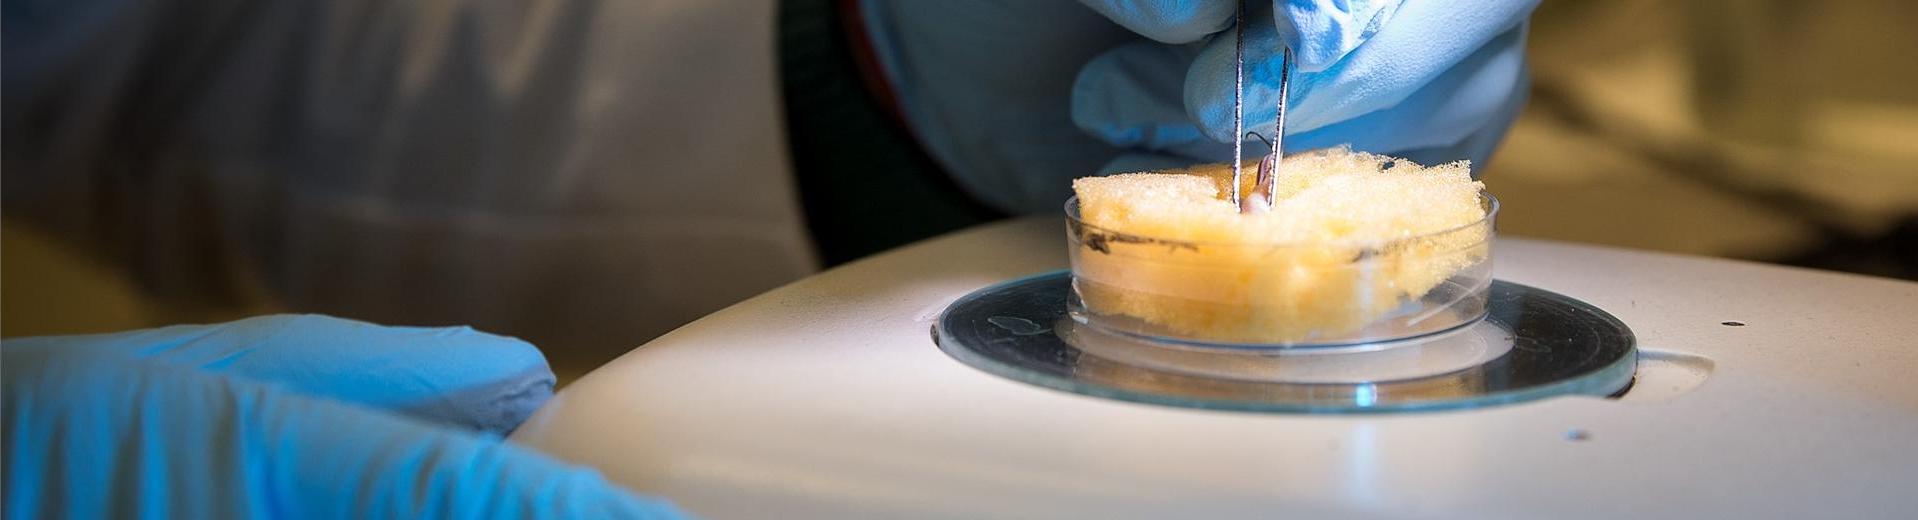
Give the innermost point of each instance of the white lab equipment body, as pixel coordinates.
(1762, 391)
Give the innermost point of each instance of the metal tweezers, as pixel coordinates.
(1261, 198)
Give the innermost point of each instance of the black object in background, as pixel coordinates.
(865, 184)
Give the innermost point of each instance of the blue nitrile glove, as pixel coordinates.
(286, 417)
(1015, 99)
(987, 88)
(1430, 81)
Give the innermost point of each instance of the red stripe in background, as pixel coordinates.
(852, 25)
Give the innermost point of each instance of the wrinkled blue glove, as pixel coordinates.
(286, 416)
(1430, 81)
(1017, 98)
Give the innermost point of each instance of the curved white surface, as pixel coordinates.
(827, 398)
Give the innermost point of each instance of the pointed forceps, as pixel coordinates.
(1262, 191)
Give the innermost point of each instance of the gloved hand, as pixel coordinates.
(1429, 81)
(286, 416)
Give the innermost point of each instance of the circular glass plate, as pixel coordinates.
(1532, 344)
(1475, 344)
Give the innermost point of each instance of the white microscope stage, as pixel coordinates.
(1761, 391)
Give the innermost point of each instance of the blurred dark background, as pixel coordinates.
(1763, 130)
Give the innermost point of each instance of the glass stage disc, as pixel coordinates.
(1532, 344)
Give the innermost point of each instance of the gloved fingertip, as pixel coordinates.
(1322, 32)
(1167, 22)
(456, 376)
(489, 383)
(1209, 85)
(344, 342)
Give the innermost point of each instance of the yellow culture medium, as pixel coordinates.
(1350, 237)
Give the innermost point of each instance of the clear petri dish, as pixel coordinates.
(1532, 344)
(1331, 295)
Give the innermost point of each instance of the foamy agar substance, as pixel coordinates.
(1350, 237)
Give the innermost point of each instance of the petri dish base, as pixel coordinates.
(1531, 344)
